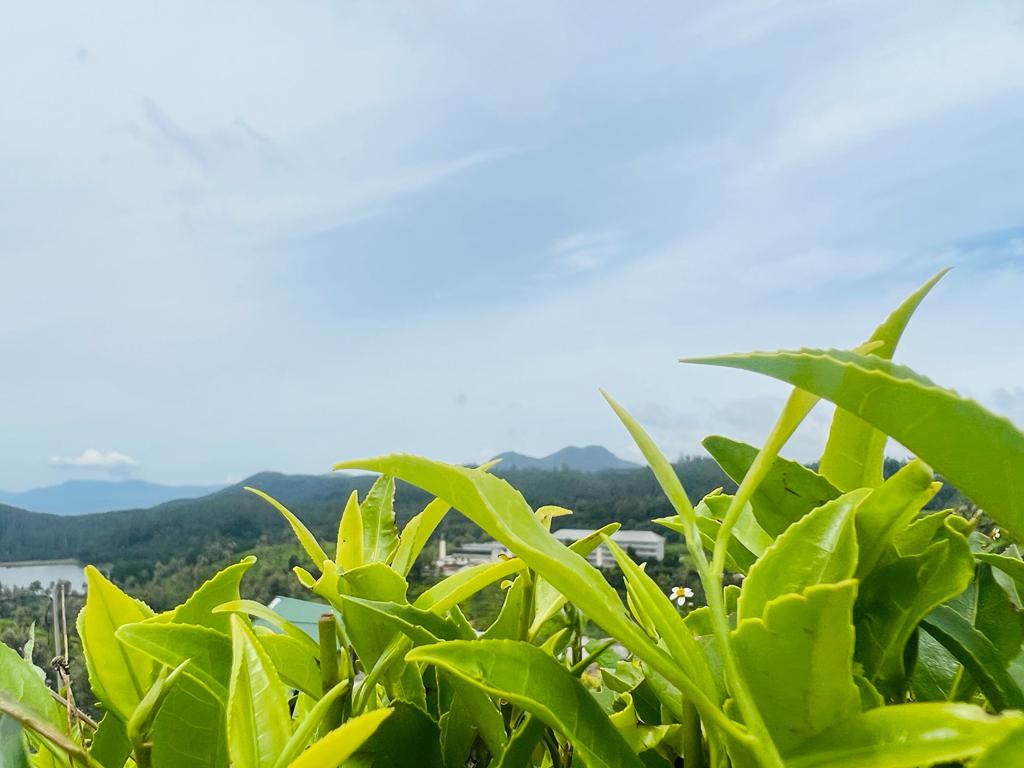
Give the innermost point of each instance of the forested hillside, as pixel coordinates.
(131, 542)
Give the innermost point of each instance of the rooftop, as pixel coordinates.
(620, 536)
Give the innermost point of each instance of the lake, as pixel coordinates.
(23, 574)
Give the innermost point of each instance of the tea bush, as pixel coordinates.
(867, 631)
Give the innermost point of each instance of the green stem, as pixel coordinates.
(797, 407)
(693, 743)
(329, 675)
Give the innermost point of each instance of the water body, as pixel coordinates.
(23, 574)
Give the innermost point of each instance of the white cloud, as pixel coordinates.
(914, 72)
(95, 460)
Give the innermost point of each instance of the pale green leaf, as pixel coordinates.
(13, 747)
(118, 675)
(978, 656)
(986, 458)
(821, 548)
(663, 614)
(222, 588)
(190, 709)
(257, 712)
(788, 491)
(905, 736)
(349, 550)
(54, 738)
(307, 727)
(341, 743)
(380, 532)
(306, 539)
(889, 509)
(855, 451)
(208, 651)
(798, 661)
(293, 662)
(419, 529)
(1003, 754)
(533, 680)
(260, 611)
(503, 513)
(20, 682)
(895, 597)
(110, 746)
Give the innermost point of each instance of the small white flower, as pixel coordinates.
(680, 595)
(996, 533)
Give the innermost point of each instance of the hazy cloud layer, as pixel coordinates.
(239, 237)
(94, 460)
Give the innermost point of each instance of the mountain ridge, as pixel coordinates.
(83, 497)
(587, 458)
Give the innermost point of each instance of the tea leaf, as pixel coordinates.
(20, 681)
(52, 737)
(341, 743)
(349, 550)
(976, 652)
(905, 736)
(309, 724)
(380, 532)
(504, 514)
(798, 661)
(293, 662)
(889, 509)
(110, 745)
(821, 548)
(418, 625)
(408, 738)
(222, 588)
(664, 615)
(534, 681)
(261, 611)
(1003, 753)
(419, 529)
(855, 451)
(788, 491)
(119, 676)
(190, 709)
(416, 533)
(306, 539)
(13, 747)
(985, 461)
(257, 713)
(208, 651)
(894, 598)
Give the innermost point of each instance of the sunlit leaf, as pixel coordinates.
(257, 713)
(118, 675)
(855, 451)
(380, 532)
(798, 661)
(349, 550)
(306, 539)
(905, 736)
(788, 491)
(821, 548)
(986, 458)
(222, 588)
(531, 679)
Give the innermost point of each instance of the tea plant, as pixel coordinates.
(866, 632)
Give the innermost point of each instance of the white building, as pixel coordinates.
(643, 545)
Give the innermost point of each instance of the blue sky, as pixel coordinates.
(240, 237)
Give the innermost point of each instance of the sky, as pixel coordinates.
(238, 237)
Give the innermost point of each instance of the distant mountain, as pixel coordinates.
(82, 497)
(590, 458)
